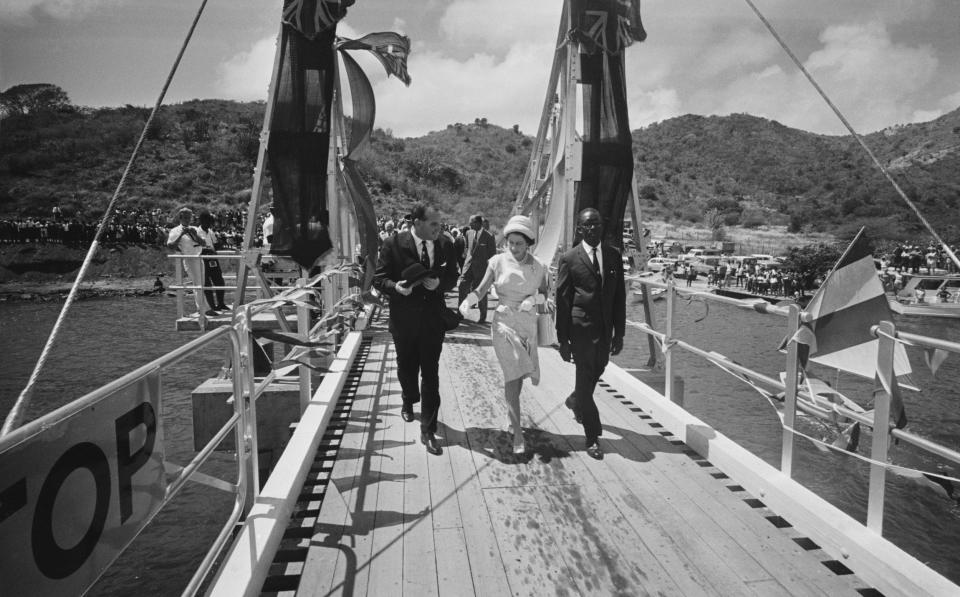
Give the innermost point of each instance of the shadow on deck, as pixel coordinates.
(653, 517)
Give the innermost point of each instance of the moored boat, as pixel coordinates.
(928, 296)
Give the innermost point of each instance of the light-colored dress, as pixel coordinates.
(514, 332)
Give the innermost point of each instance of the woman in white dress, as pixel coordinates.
(521, 283)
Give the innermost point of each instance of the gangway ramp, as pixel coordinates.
(652, 517)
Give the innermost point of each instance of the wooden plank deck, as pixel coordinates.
(651, 518)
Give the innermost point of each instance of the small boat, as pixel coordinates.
(928, 296)
(655, 293)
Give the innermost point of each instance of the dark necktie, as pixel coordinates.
(424, 255)
(596, 265)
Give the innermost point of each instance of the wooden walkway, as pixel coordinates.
(651, 518)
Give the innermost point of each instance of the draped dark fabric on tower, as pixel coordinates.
(605, 28)
(299, 145)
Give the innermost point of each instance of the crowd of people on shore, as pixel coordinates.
(126, 227)
(917, 258)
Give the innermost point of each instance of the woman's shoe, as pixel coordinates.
(519, 447)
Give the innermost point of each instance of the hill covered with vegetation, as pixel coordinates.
(709, 171)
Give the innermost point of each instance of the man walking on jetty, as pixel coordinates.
(415, 268)
(591, 318)
(481, 246)
(185, 240)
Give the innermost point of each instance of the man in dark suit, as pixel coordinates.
(481, 246)
(591, 317)
(415, 313)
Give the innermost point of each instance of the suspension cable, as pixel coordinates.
(856, 136)
(16, 413)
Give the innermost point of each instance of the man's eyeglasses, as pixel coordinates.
(590, 225)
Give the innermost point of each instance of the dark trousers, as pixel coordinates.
(418, 355)
(213, 276)
(469, 283)
(590, 358)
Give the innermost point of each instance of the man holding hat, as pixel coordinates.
(591, 317)
(481, 246)
(414, 269)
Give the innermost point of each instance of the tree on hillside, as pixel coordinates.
(34, 97)
(817, 259)
(719, 211)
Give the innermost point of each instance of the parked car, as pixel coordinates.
(658, 264)
(705, 265)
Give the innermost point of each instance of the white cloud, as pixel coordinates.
(246, 76)
(446, 91)
(950, 102)
(705, 59)
(872, 80)
(23, 12)
(499, 24)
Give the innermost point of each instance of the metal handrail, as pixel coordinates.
(235, 423)
(886, 332)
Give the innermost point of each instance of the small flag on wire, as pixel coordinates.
(848, 303)
(390, 48)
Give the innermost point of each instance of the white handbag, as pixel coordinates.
(546, 326)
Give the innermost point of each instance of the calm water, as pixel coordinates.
(106, 338)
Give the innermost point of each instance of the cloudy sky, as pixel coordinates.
(883, 62)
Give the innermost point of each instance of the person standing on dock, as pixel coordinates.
(481, 246)
(212, 272)
(591, 318)
(185, 240)
(415, 313)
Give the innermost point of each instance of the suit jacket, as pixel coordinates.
(481, 246)
(422, 306)
(585, 310)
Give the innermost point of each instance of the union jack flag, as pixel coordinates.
(609, 25)
(312, 17)
(390, 48)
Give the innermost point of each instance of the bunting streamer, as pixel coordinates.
(934, 357)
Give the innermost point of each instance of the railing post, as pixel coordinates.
(668, 386)
(178, 280)
(790, 394)
(250, 404)
(303, 328)
(881, 426)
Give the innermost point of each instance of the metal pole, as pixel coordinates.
(667, 340)
(303, 327)
(881, 426)
(790, 394)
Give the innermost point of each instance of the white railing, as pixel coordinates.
(68, 427)
(885, 331)
(57, 435)
(180, 288)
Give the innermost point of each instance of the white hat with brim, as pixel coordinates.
(521, 224)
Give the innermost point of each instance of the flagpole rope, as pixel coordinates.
(23, 400)
(855, 135)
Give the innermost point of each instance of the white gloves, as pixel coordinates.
(469, 302)
(531, 301)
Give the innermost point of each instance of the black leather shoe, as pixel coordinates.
(406, 413)
(432, 443)
(594, 451)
